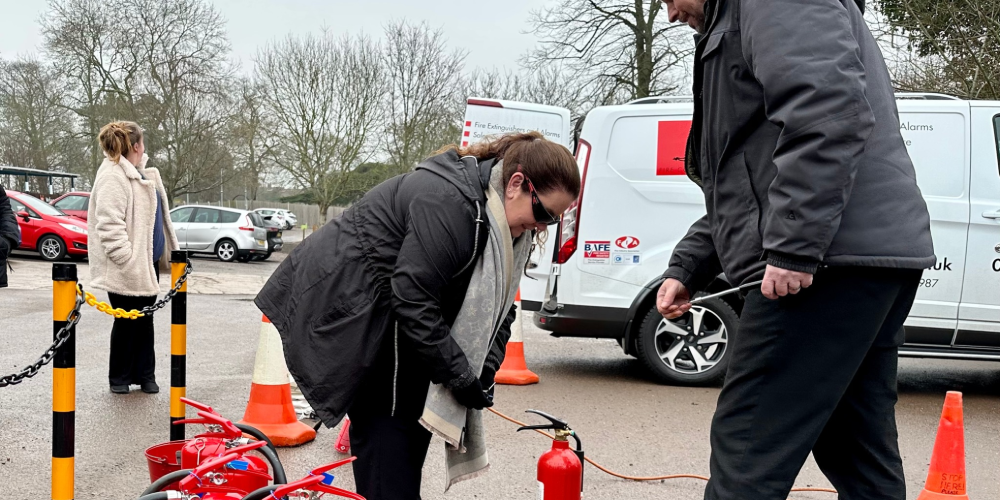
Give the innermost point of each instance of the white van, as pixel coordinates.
(636, 204)
(492, 117)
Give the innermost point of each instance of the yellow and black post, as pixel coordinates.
(178, 344)
(63, 383)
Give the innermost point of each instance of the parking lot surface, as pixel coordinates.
(627, 422)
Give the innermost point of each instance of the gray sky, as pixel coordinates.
(489, 31)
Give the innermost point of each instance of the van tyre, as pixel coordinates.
(226, 250)
(692, 349)
(52, 248)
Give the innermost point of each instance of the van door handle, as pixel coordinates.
(214, 227)
(992, 215)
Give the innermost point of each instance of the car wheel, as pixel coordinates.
(246, 258)
(264, 256)
(692, 349)
(52, 248)
(226, 250)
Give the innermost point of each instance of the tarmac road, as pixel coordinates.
(627, 422)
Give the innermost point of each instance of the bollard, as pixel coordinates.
(178, 345)
(63, 383)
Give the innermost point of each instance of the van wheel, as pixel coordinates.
(692, 349)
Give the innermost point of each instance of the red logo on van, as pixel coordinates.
(627, 242)
(671, 144)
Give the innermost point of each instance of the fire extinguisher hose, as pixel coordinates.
(269, 452)
(159, 495)
(163, 481)
(637, 478)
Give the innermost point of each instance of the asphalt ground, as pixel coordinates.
(627, 422)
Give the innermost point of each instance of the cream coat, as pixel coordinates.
(120, 226)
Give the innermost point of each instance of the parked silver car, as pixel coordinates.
(229, 233)
(278, 216)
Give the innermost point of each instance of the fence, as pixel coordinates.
(306, 214)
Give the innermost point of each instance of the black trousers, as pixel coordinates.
(133, 360)
(815, 372)
(391, 453)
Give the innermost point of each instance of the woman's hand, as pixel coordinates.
(472, 396)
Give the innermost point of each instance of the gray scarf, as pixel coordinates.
(490, 295)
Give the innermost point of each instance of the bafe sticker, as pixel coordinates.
(596, 252)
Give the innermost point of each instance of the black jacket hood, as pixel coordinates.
(470, 176)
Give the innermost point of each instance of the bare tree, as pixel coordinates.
(162, 64)
(551, 85)
(82, 39)
(621, 49)
(183, 100)
(251, 135)
(956, 43)
(34, 122)
(423, 90)
(325, 97)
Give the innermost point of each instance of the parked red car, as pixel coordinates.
(73, 203)
(48, 230)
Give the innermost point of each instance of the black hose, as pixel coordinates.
(162, 482)
(159, 495)
(260, 436)
(260, 493)
(276, 467)
(269, 452)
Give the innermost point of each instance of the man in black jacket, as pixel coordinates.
(9, 234)
(808, 186)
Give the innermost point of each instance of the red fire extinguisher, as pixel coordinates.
(560, 470)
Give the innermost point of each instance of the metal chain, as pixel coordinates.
(83, 297)
(104, 307)
(170, 295)
(60, 338)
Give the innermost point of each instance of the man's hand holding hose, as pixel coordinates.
(673, 299)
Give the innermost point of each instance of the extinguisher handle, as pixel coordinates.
(194, 476)
(555, 423)
(199, 406)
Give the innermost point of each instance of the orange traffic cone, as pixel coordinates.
(270, 408)
(946, 476)
(513, 370)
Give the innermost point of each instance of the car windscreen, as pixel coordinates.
(39, 205)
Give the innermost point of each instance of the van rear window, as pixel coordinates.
(996, 132)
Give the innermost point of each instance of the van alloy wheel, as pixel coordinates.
(692, 349)
(693, 343)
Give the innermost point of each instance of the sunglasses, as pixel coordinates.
(542, 214)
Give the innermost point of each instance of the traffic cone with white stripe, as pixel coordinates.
(514, 370)
(270, 408)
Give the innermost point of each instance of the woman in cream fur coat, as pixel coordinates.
(130, 242)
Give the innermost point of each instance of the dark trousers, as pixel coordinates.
(815, 372)
(391, 452)
(133, 360)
